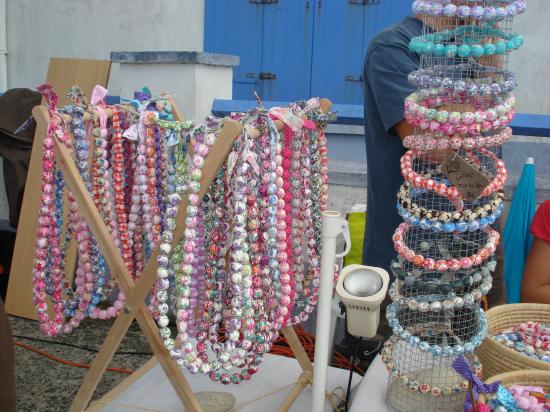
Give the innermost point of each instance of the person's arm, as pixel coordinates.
(388, 68)
(535, 287)
(403, 129)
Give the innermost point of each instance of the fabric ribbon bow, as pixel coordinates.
(98, 94)
(462, 366)
(287, 117)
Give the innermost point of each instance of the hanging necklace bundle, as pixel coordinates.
(255, 214)
(248, 262)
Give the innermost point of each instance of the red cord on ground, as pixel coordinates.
(64, 362)
(280, 347)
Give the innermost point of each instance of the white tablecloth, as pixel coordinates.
(153, 392)
(371, 394)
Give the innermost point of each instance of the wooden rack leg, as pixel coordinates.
(297, 349)
(306, 378)
(303, 381)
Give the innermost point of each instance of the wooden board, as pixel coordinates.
(86, 73)
(62, 74)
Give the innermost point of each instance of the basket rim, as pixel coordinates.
(522, 372)
(542, 307)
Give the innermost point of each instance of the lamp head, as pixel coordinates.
(363, 282)
(362, 289)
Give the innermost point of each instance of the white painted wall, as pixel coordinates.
(40, 29)
(532, 61)
(194, 86)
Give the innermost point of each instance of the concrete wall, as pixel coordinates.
(532, 61)
(194, 86)
(38, 30)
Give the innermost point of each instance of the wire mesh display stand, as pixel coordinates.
(452, 79)
(136, 293)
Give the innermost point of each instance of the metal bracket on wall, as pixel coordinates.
(267, 76)
(263, 1)
(364, 2)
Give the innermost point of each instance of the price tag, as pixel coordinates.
(466, 177)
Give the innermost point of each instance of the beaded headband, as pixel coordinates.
(433, 44)
(431, 329)
(446, 283)
(470, 215)
(450, 227)
(438, 303)
(436, 8)
(444, 265)
(428, 141)
(456, 79)
(420, 111)
(413, 385)
(419, 181)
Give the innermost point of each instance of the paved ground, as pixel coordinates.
(44, 385)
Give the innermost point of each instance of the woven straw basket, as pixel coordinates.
(526, 378)
(497, 358)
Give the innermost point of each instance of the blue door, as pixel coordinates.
(236, 27)
(288, 33)
(294, 49)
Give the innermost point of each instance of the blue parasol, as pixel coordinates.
(517, 238)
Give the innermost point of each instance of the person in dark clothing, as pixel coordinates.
(387, 65)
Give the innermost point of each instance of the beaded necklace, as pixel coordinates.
(139, 197)
(184, 354)
(49, 254)
(88, 257)
(319, 194)
(119, 190)
(285, 256)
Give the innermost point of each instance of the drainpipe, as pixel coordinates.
(3, 46)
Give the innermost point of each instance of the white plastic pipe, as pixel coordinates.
(332, 225)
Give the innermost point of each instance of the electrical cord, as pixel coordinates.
(72, 345)
(348, 391)
(63, 361)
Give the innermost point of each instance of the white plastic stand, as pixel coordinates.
(333, 224)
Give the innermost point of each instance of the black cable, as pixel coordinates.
(357, 344)
(72, 345)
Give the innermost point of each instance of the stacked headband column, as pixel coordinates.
(461, 113)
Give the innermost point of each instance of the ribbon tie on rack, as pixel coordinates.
(98, 95)
(462, 366)
(49, 94)
(287, 117)
(171, 137)
(248, 155)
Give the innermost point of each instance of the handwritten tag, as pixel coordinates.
(467, 178)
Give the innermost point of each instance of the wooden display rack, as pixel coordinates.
(136, 293)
